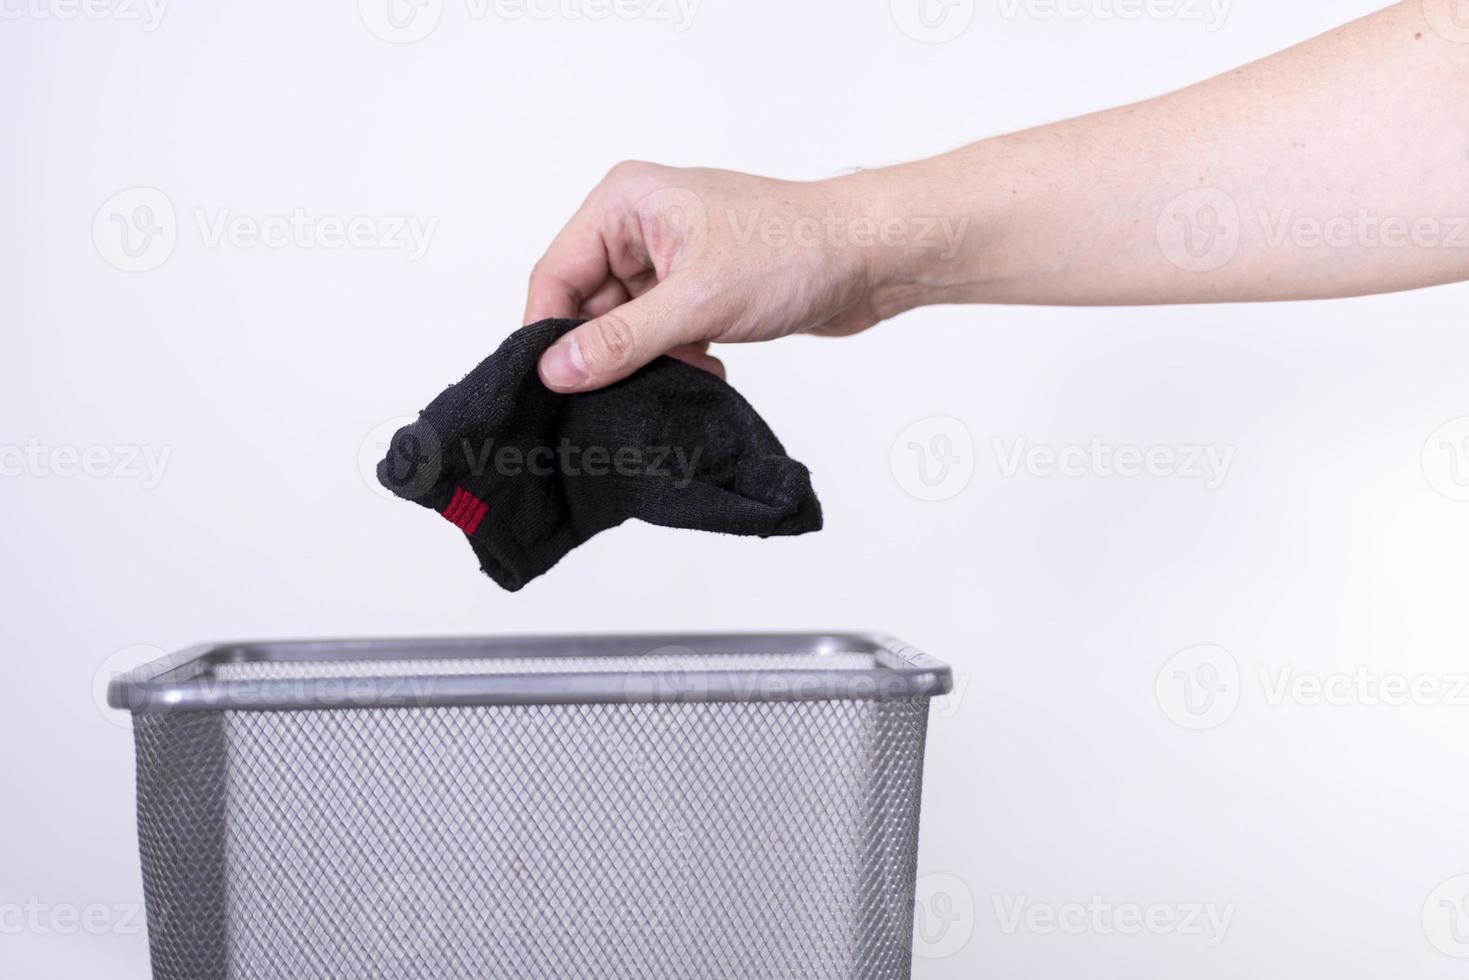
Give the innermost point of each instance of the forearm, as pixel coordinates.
(1339, 167)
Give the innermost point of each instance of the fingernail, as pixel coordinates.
(562, 366)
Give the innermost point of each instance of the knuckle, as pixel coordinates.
(545, 276)
(631, 175)
(627, 168)
(612, 341)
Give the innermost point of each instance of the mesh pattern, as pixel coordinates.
(709, 840)
(266, 670)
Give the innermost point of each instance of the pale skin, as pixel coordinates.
(1345, 160)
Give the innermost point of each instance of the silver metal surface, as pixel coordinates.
(659, 668)
(750, 834)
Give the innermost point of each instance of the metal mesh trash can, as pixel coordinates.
(544, 807)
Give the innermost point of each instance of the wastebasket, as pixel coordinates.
(702, 806)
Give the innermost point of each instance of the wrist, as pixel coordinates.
(929, 236)
(956, 226)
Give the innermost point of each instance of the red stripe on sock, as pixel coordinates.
(451, 512)
(479, 515)
(465, 511)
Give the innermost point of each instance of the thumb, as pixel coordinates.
(619, 342)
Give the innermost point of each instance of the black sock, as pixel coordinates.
(528, 474)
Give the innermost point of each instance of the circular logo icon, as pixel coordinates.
(943, 916)
(932, 21)
(135, 230)
(667, 675)
(1446, 917)
(1199, 231)
(678, 227)
(1449, 19)
(1199, 688)
(117, 664)
(401, 457)
(401, 21)
(1446, 459)
(933, 459)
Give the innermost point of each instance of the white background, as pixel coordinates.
(1060, 771)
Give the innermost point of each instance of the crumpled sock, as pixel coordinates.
(528, 473)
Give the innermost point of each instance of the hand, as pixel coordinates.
(665, 260)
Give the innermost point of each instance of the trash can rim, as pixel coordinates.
(184, 681)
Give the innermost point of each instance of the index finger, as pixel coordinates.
(573, 269)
